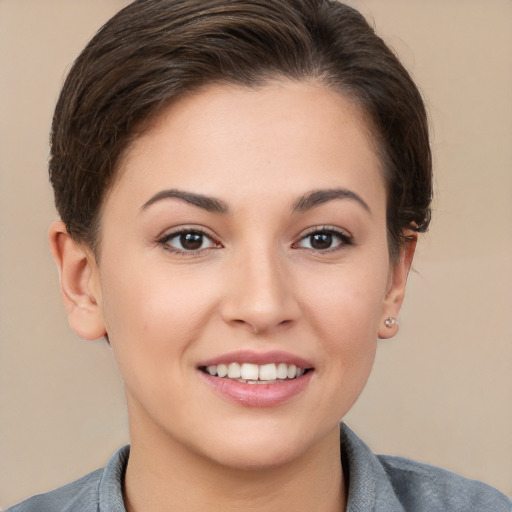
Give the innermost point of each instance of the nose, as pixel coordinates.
(260, 293)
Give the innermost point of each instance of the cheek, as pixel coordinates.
(346, 308)
(150, 314)
(344, 315)
(347, 299)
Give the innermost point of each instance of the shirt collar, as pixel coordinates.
(369, 488)
(110, 489)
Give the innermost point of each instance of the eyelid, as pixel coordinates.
(173, 233)
(346, 239)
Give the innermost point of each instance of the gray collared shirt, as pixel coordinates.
(376, 484)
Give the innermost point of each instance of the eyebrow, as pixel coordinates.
(207, 203)
(318, 197)
(211, 204)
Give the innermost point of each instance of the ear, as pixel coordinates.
(397, 281)
(79, 283)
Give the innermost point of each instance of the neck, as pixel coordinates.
(163, 475)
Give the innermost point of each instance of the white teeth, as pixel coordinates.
(249, 371)
(222, 370)
(268, 372)
(256, 374)
(234, 371)
(282, 371)
(292, 371)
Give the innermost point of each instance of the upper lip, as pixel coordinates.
(259, 358)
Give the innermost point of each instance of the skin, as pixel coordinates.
(256, 283)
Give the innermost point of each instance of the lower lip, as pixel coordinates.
(258, 395)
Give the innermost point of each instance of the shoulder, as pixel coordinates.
(99, 490)
(382, 483)
(80, 495)
(419, 485)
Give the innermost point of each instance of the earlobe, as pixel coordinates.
(79, 283)
(396, 287)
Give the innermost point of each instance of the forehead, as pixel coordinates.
(299, 134)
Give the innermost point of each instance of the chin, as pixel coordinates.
(254, 457)
(263, 447)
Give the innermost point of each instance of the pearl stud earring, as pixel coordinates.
(390, 321)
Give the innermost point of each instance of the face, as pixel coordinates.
(246, 235)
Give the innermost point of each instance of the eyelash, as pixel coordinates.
(164, 241)
(343, 238)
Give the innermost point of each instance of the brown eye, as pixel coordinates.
(321, 241)
(191, 241)
(325, 240)
(188, 241)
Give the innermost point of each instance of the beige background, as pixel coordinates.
(441, 391)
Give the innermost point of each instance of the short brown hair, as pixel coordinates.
(155, 51)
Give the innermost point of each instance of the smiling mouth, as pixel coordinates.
(249, 373)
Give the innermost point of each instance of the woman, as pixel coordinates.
(241, 187)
